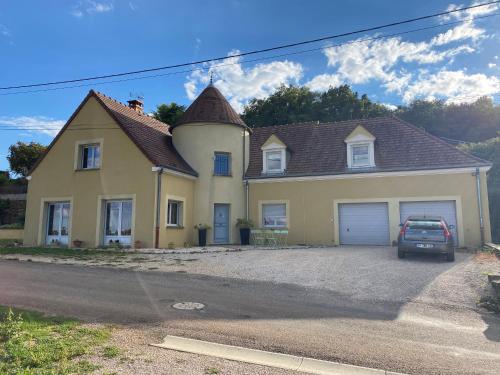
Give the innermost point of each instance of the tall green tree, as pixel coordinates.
(490, 150)
(22, 156)
(169, 113)
(470, 122)
(291, 104)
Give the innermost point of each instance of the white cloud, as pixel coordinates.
(240, 85)
(323, 82)
(492, 65)
(91, 7)
(363, 61)
(37, 124)
(456, 86)
(466, 30)
(385, 60)
(392, 107)
(4, 31)
(132, 6)
(469, 13)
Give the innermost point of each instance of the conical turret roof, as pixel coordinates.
(211, 106)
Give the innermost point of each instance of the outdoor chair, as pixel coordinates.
(258, 237)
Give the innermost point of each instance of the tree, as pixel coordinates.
(292, 104)
(490, 150)
(22, 156)
(470, 122)
(169, 113)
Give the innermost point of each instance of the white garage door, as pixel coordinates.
(364, 224)
(445, 209)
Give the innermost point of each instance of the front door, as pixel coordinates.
(57, 223)
(221, 223)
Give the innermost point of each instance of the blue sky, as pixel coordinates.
(55, 40)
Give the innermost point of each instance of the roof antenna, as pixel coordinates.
(211, 78)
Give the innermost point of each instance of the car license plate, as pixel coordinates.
(425, 245)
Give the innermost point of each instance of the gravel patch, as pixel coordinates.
(364, 273)
(138, 357)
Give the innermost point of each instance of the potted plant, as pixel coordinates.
(245, 225)
(202, 233)
(77, 243)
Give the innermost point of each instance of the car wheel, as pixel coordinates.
(450, 257)
(401, 254)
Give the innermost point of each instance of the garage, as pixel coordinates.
(445, 209)
(364, 224)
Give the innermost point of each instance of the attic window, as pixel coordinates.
(90, 156)
(274, 155)
(360, 155)
(360, 149)
(274, 161)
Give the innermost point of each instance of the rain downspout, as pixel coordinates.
(479, 203)
(159, 171)
(245, 181)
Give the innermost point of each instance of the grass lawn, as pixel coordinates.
(31, 343)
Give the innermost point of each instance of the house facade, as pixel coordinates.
(114, 175)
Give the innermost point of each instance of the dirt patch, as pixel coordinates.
(136, 356)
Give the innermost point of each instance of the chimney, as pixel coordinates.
(137, 105)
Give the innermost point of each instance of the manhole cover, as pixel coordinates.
(188, 306)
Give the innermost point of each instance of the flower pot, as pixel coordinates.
(202, 237)
(77, 243)
(245, 236)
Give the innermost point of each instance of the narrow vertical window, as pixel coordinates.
(222, 164)
(90, 157)
(174, 213)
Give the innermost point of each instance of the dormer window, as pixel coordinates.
(273, 161)
(360, 149)
(360, 155)
(273, 156)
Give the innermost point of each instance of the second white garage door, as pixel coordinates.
(364, 224)
(445, 209)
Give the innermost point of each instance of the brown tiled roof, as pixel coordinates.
(151, 136)
(319, 149)
(211, 106)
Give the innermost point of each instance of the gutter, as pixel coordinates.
(479, 203)
(245, 180)
(159, 171)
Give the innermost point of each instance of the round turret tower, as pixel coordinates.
(214, 140)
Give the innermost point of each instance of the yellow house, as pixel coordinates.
(116, 175)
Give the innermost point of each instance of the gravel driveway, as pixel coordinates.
(367, 273)
(358, 273)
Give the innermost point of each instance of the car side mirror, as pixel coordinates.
(451, 226)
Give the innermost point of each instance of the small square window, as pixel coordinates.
(274, 215)
(360, 155)
(273, 161)
(90, 156)
(174, 214)
(222, 164)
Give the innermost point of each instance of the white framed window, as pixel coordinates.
(58, 222)
(90, 156)
(274, 161)
(274, 215)
(360, 154)
(174, 213)
(118, 221)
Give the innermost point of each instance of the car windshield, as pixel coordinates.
(424, 224)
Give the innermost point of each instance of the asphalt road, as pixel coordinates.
(415, 338)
